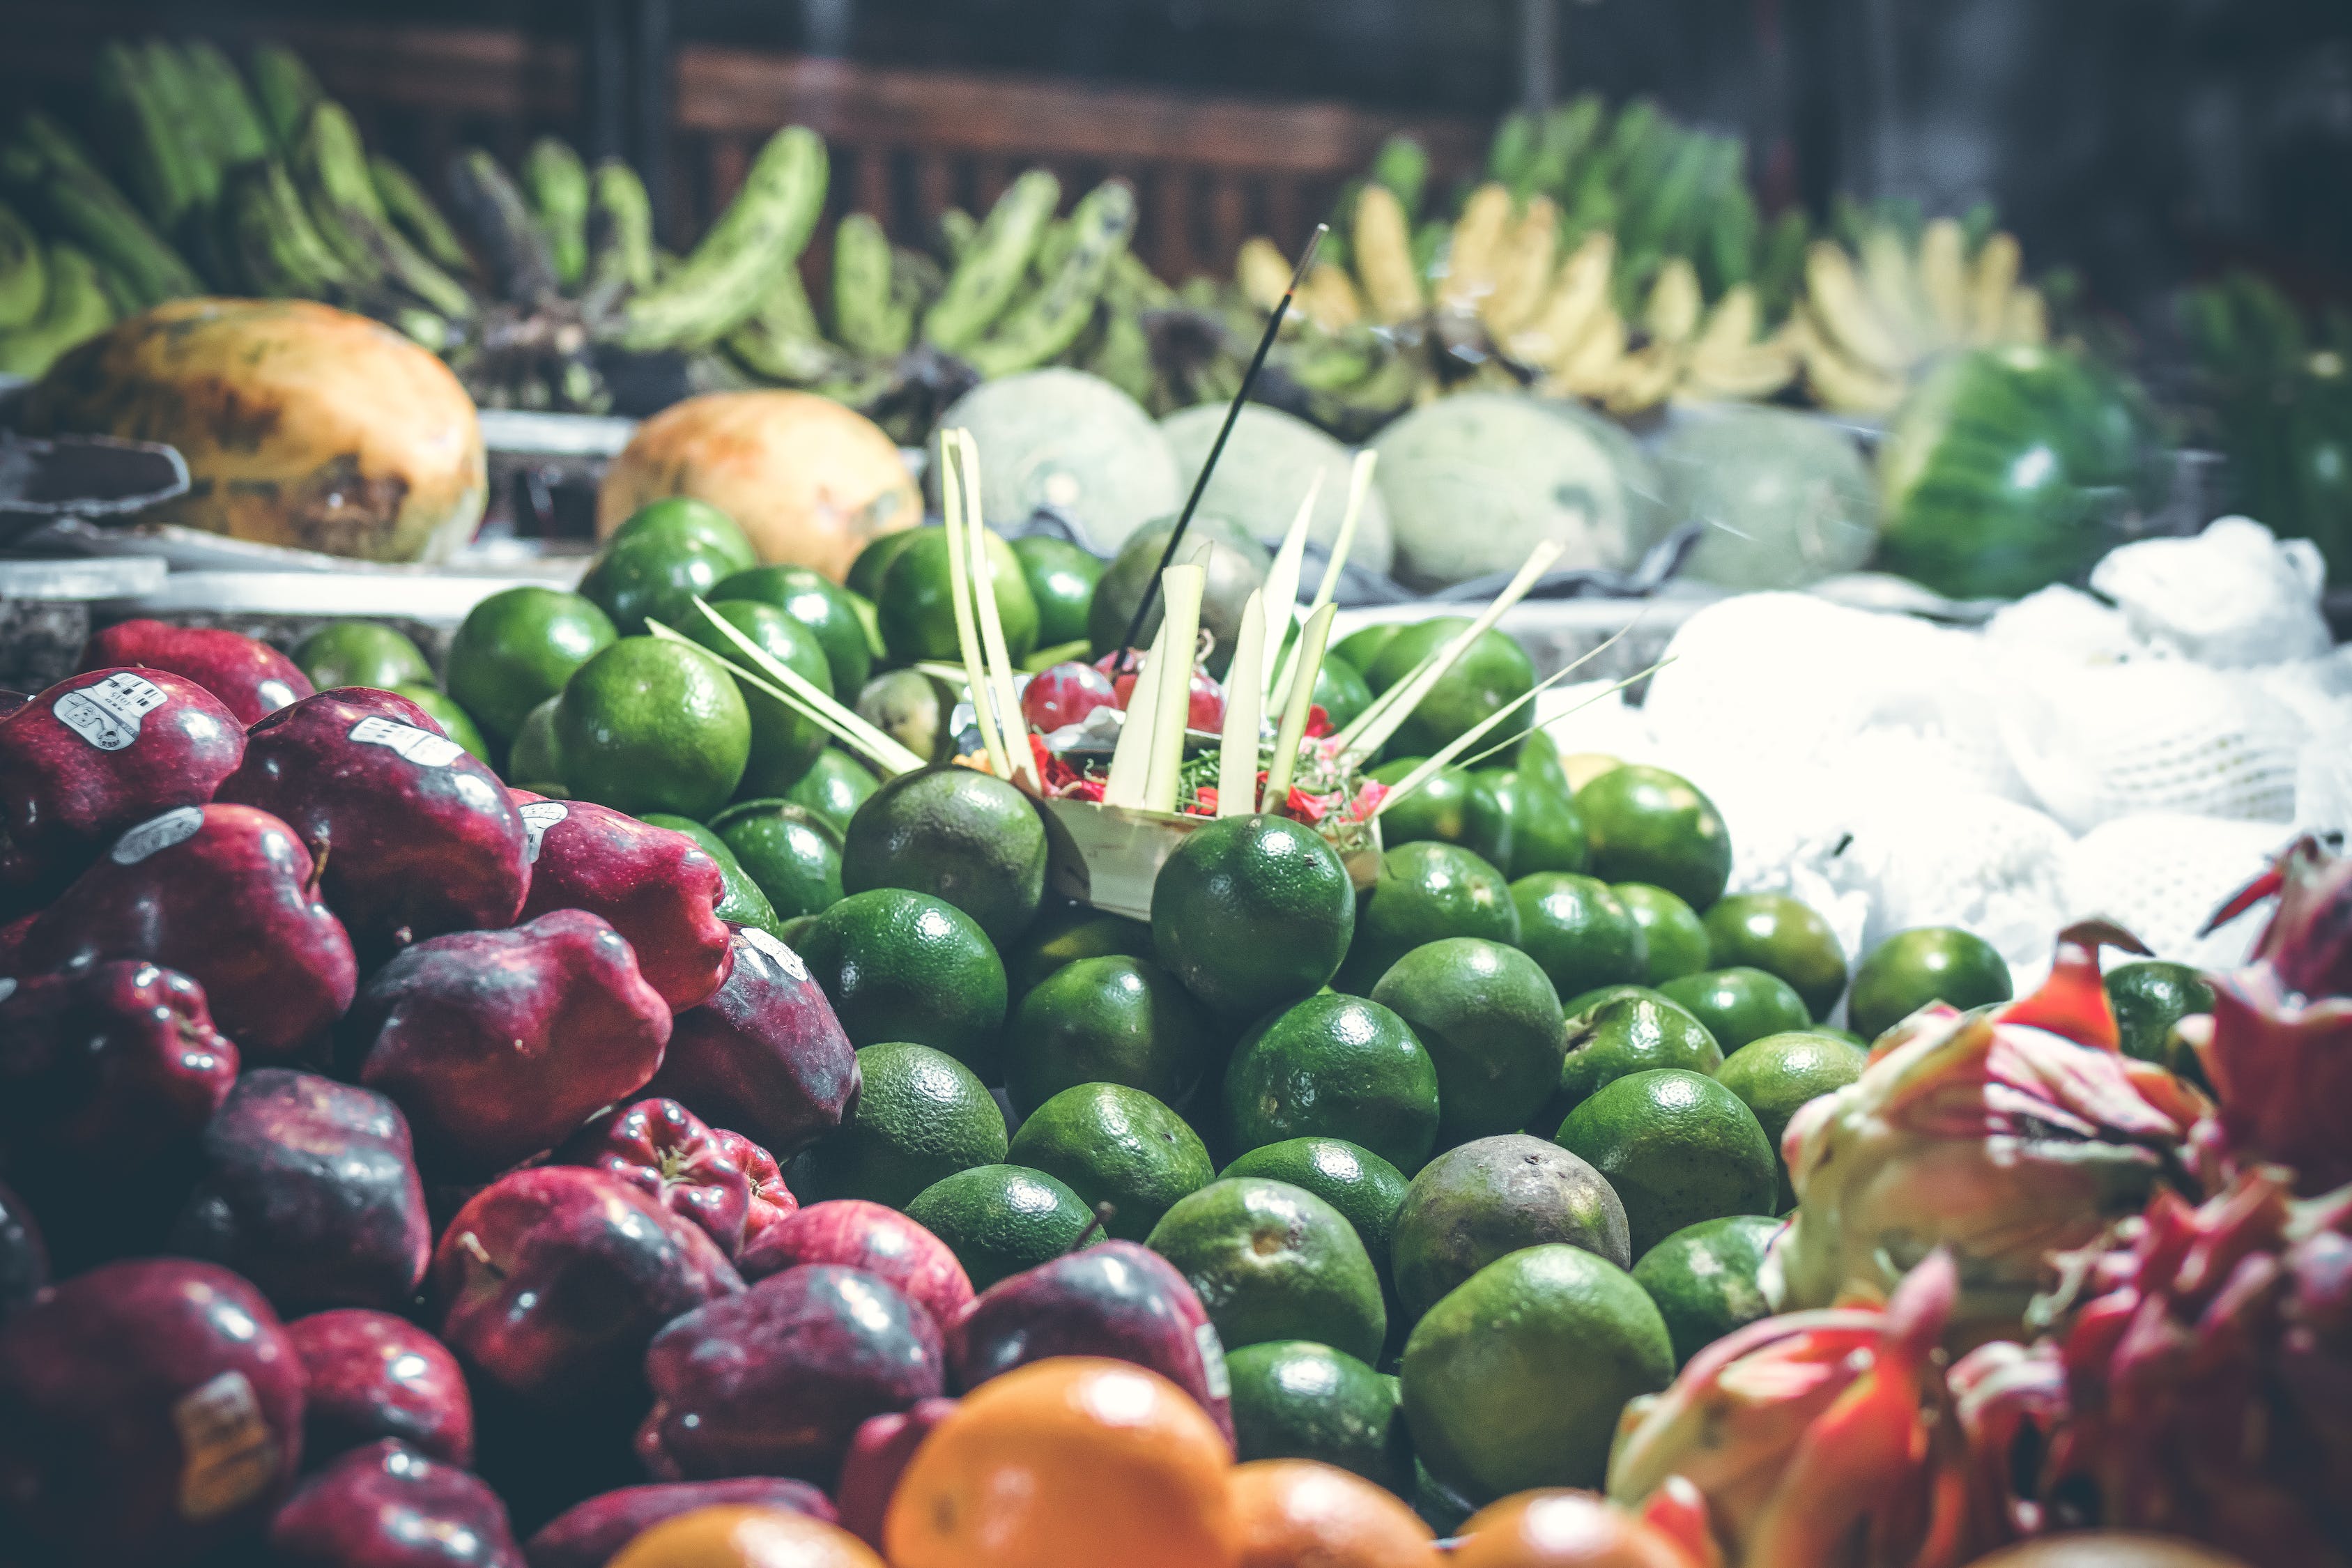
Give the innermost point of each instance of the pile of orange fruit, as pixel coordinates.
(1078, 1463)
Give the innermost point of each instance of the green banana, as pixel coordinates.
(556, 182)
(620, 229)
(160, 155)
(1122, 351)
(1053, 247)
(1402, 165)
(1728, 255)
(75, 308)
(1133, 283)
(760, 234)
(71, 199)
(991, 267)
(238, 135)
(865, 319)
(412, 212)
(1042, 326)
(343, 199)
(916, 280)
(187, 114)
(781, 340)
(514, 252)
(1781, 263)
(956, 229)
(272, 240)
(1509, 154)
(24, 272)
(286, 90)
(110, 283)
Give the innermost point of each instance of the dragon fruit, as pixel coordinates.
(1994, 1134)
(1817, 1440)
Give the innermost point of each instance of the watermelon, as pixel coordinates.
(1786, 499)
(1067, 439)
(1268, 462)
(2009, 470)
(1472, 483)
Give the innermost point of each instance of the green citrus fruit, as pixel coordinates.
(1489, 1198)
(1000, 1219)
(1118, 1146)
(865, 578)
(1673, 935)
(360, 653)
(1108, 1020)
(1234, 565)
(914, 708)
(1577, 931)
(903, 965)
(1678, 1147)
(834, 786)
(816, 602)
(1422, 893)
(1251, 912)
(1537, 757)
(1491, 676)
(1924, 964)
(652, 725)
(741, 899)
(1271, 1261)
(1340, 692)
(1779, 1073)
(1646, 825)
(1627, 1030)
(1703, 1279)
(685, 523)
(1061, 579)
(1738, 1004)
(455, 722)
(956, 834)
(1453, 805)
(1546, 833)
(1775, 933)
(532, 759)
(794, 930)
(791, 852)
(653, 576)
(917, 602)
(1361, 648)
(1350, 1177)
(1066, 934)
(920, 1117)
(1334, 1067)
(517, 648)
(784, 740)
(2148, 999)
(1517, 1378)
(1294, 1399)
(1492, 1024)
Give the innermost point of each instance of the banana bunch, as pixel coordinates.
(1872, 314)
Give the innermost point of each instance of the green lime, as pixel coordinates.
(1233, 564)
(653, 576)
(816, 603)
(2148, 999)
(1738, 1004)
(1628, 1030)
(834, 786)
(1065, 935)
(652, 725)
(1422, 893)
(1361, 648)
(1108, 1020)
(920, 1117)
(455, 722)
(1779, 1073)
(1703, 1279)
(792, 854)
(794, 930)
(1646, 825)
(1546, 833)
(1491, 676)
(685, 523)
(1678, 1147)
(1926, 963)
(1061, 579)
(741, 900)
(917, 602)
(1517, 1378)
(1489, 1198)
(902, 965)
(1577, 931)
(1340, 692)
(1350, 1178)
(1271, 1261)
(914, 708)
(360, 653)
(1294, 1399)
(1775, 933)
(1492, 1024)
(1251, 912)
(1118, 1146)
(1000, 1219)
(1453, 805)
(1537, 757)
(531, 759)
(865, 578)
(958, 834)
(784, 740)
(1334, 1067)
(517, 648)
(1673, 935)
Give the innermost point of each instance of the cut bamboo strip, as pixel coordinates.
(997, 659)
(1282, 586)
(1237, 748)
(1130, 760)
(1181, 589)
(1468, 738)
(951, 511)
(1293, 732)
(796, 691)
(1359, 484)
(1371, 729)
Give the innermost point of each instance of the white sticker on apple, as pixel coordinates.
(786, 959)
(176, 826)
(7, 986)
(423, 747)
(1212, 1361)
(537, 816)
(107, 713)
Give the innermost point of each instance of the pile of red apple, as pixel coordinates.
(404, 1148)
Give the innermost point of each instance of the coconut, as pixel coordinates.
(1785, 498)
(1268, 462)
(1067, 439)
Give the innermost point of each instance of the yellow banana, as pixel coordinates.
(1943, 278)
(1754, 371)
(1263, 272)
(1329, 298)
(1383, 247)
(1842, 313)
(1894, 292)
(1988, 287)
(2027, 319)
(1671, 315)
(1476, 246)
(1524, 270)
(1644, 378)
(1589, 367)
(1577, 297)
(1838, 382)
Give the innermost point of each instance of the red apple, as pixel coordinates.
(116, 1064)
(23, 1260)
(251, 678)
(658, 888)
(1065, 694)
(552, 1281)
(663, 1147)
(388, 1506)
(878, 1452)
(765, 1055)
(498, 1043)
(1205, 706)
(151, 1411)
(372, 1375)
(774, 1380)
(590, 1534)
(770, 1199)
(391, 704)
(226, 895)
(855, 1234)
